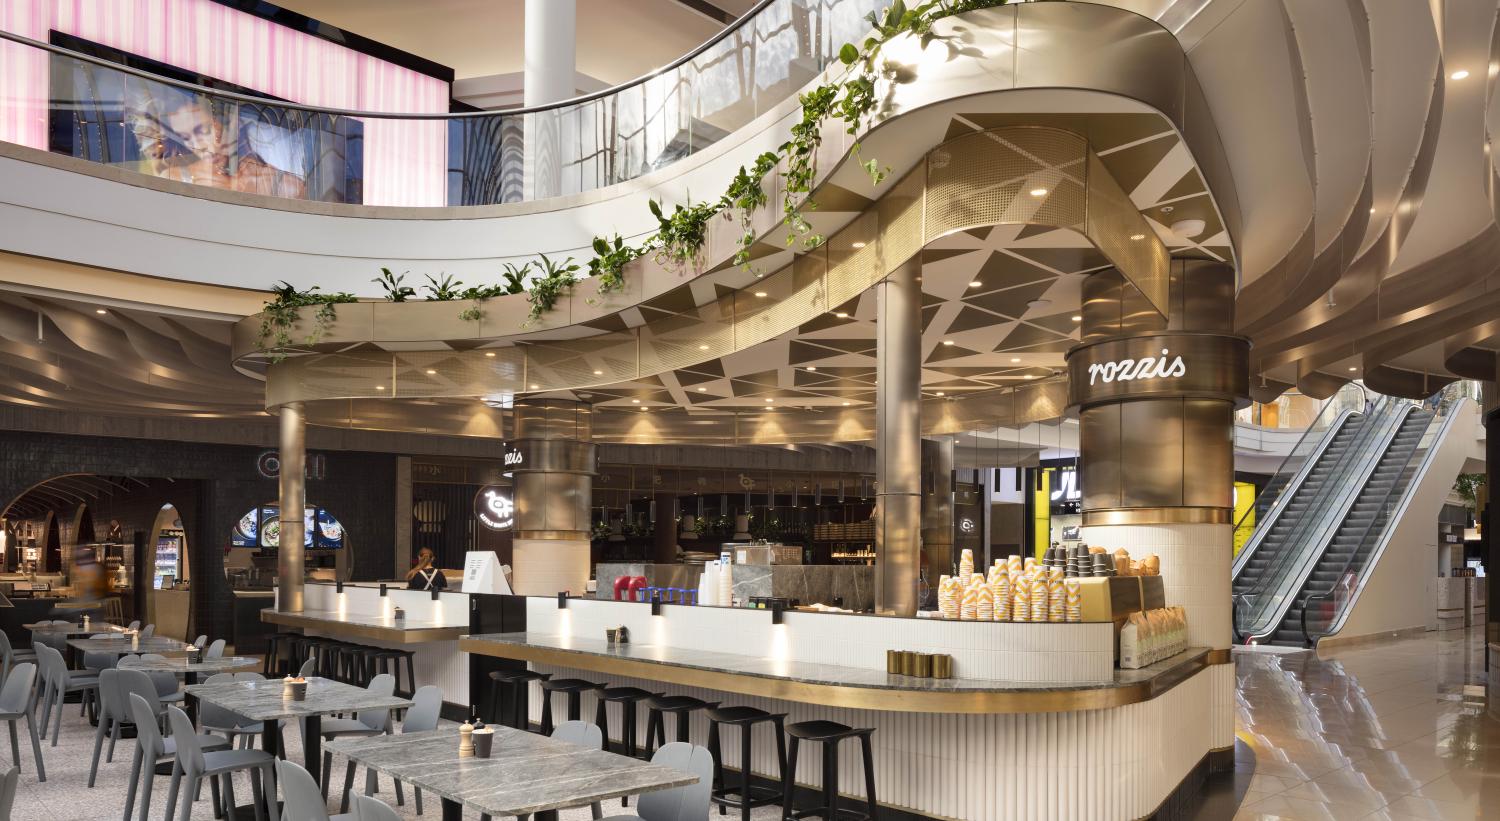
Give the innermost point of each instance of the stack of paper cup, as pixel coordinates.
(1074, 591)
(985, 609)
(1038, 596)
(1000, 592)
(965, 567)
(1056, 604)
(969, 609)
(947, 606)
(1020, 598)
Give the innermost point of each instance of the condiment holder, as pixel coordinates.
(294, 689)
(918, 665)
(484, 739)
(400, 614)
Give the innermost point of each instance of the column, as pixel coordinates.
(937, 507)
(293, 476)
(1487, 520)
(898, 440)
(550, 68)
(553, 462)
(664, 542)
(1156, 399)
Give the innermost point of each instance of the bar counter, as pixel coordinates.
(347, 625)
(816, 683)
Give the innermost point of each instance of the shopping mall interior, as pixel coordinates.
(950, 410)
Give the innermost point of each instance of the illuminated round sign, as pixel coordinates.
(494, 508)
(966, 525)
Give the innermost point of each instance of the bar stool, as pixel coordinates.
(745, 718)
(389, 660)
(627, 698)
(274, 642)
(682, 707)
(574, 688)
(829, 734)
(511, 684)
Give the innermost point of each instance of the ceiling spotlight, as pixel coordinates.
(760, 294)
(1353, 368)
(598, 373)
(1372, 209)
(635, 401)
(100, 311)
(431, 372)
(1038, 192)
(768, 399)
(1029, 376)
(975, 284)
(703, 390)
(490, 354)
(536, 387)
(379, 387)
(1458, 75)
(702, 347)
(947, 342)
(1015, 359)
(939, 393)
(1137, 237)
(812, 367)
(856, 245)
(846, 404)
(840, 315)
(1077, 318)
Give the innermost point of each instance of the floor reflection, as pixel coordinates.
(1385, 731)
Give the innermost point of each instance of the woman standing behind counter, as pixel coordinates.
(424, 576)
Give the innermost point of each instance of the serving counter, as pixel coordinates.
(1036, 723)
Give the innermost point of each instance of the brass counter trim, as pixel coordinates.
(395, 635)
(1156, 516)
(1223, 655)
(851, 697)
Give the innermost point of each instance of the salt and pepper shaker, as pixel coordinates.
(466, 740)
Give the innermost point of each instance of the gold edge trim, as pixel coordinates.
(416, 635)
(1156, 516)
(1223, 655)
(850, 697)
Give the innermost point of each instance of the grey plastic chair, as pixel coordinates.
(583, 734)
(215, 650)
(200, 642)
(60, 681)
(18, 701)
(9, 656)
(135, 625)
(195, 764)
(366, 723)
(165, 683)
(95, 662)
(303, 800)
(309, 668)
(369, 808)
(113, 714)
(426, 706)
(11, 781)
(688, 803)
(152, 749)
(237, 729)
(148, 631)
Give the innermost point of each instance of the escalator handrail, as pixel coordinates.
(1294, 484)
(1307, 640)
(1385, 537)
(1381, 432)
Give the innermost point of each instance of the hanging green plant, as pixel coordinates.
(557, 279)
(391, 283)
(608, 265)
(446, 289)
(680, 234)
(284, 309)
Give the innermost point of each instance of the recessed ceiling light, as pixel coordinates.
(1030, 376)
(768, 399)
(947, 342)
(536, 387)
(939, 393)
(812, 367)
(100, 311)
(1459, 75)
(379, 387)
(1352, 368)
(635, 401)
(846, 404)
(841, 315)
(1372, 209)
(856, 245)
(1077, 318)
(431, 372)
(702, 347)
(598, 373)
(1015, 359)
(490, 354)
(760, 294)
(1137, 237)
(1038, 192)
(703, 390)
(758, 275)
(975, 284)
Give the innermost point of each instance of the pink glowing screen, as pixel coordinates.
(404, 161)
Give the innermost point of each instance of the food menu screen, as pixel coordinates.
(261, 528)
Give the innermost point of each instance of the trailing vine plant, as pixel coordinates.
(852, 98)
(284, 309)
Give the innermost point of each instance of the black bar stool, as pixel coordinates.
(574, 688)
(274, 644)
(511, 684)
(682, 707)
(389, 660)
(627, 698)
(829, 734)
(745, 718)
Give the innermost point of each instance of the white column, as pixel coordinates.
(550, 76)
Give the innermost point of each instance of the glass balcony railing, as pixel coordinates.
(70, 103)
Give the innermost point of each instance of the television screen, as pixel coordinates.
(166, 131)
(261, 528)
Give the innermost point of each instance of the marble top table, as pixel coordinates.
(526, 774)
(366, 626)
(189, 666)
(120, 645)
(814, 683)
(265, 700)
(74, 628)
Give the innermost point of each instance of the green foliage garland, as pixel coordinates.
(284, 309)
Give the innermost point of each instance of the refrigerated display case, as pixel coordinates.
(168, 568)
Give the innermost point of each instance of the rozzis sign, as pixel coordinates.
(1126, 370)
(1173, 364)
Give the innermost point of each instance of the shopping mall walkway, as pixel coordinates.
(1384, 731)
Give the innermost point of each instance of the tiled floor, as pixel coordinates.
(1379, 732)
(1382, 731)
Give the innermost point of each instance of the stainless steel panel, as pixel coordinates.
(1152, 446)
(293, 497)
(1208, 439)
(1100, 447)
(898, 426)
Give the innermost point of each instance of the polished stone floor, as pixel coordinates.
(1379, 732)
(1383, 731)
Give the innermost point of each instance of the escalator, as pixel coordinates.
(1326, 500)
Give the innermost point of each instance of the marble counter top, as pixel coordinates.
(525, 774)
(73, 628)
(367, 625)
(264, 699)
(183, 664)
(121, 645)
(816, 683)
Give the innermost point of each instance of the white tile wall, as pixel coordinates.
(999, 650)
(1195, 569)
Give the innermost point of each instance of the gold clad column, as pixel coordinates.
(293, 491)
(898, 440)
(1156, 398)
(553, 462)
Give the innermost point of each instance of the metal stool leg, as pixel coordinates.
(865, 747)
(788, 782)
